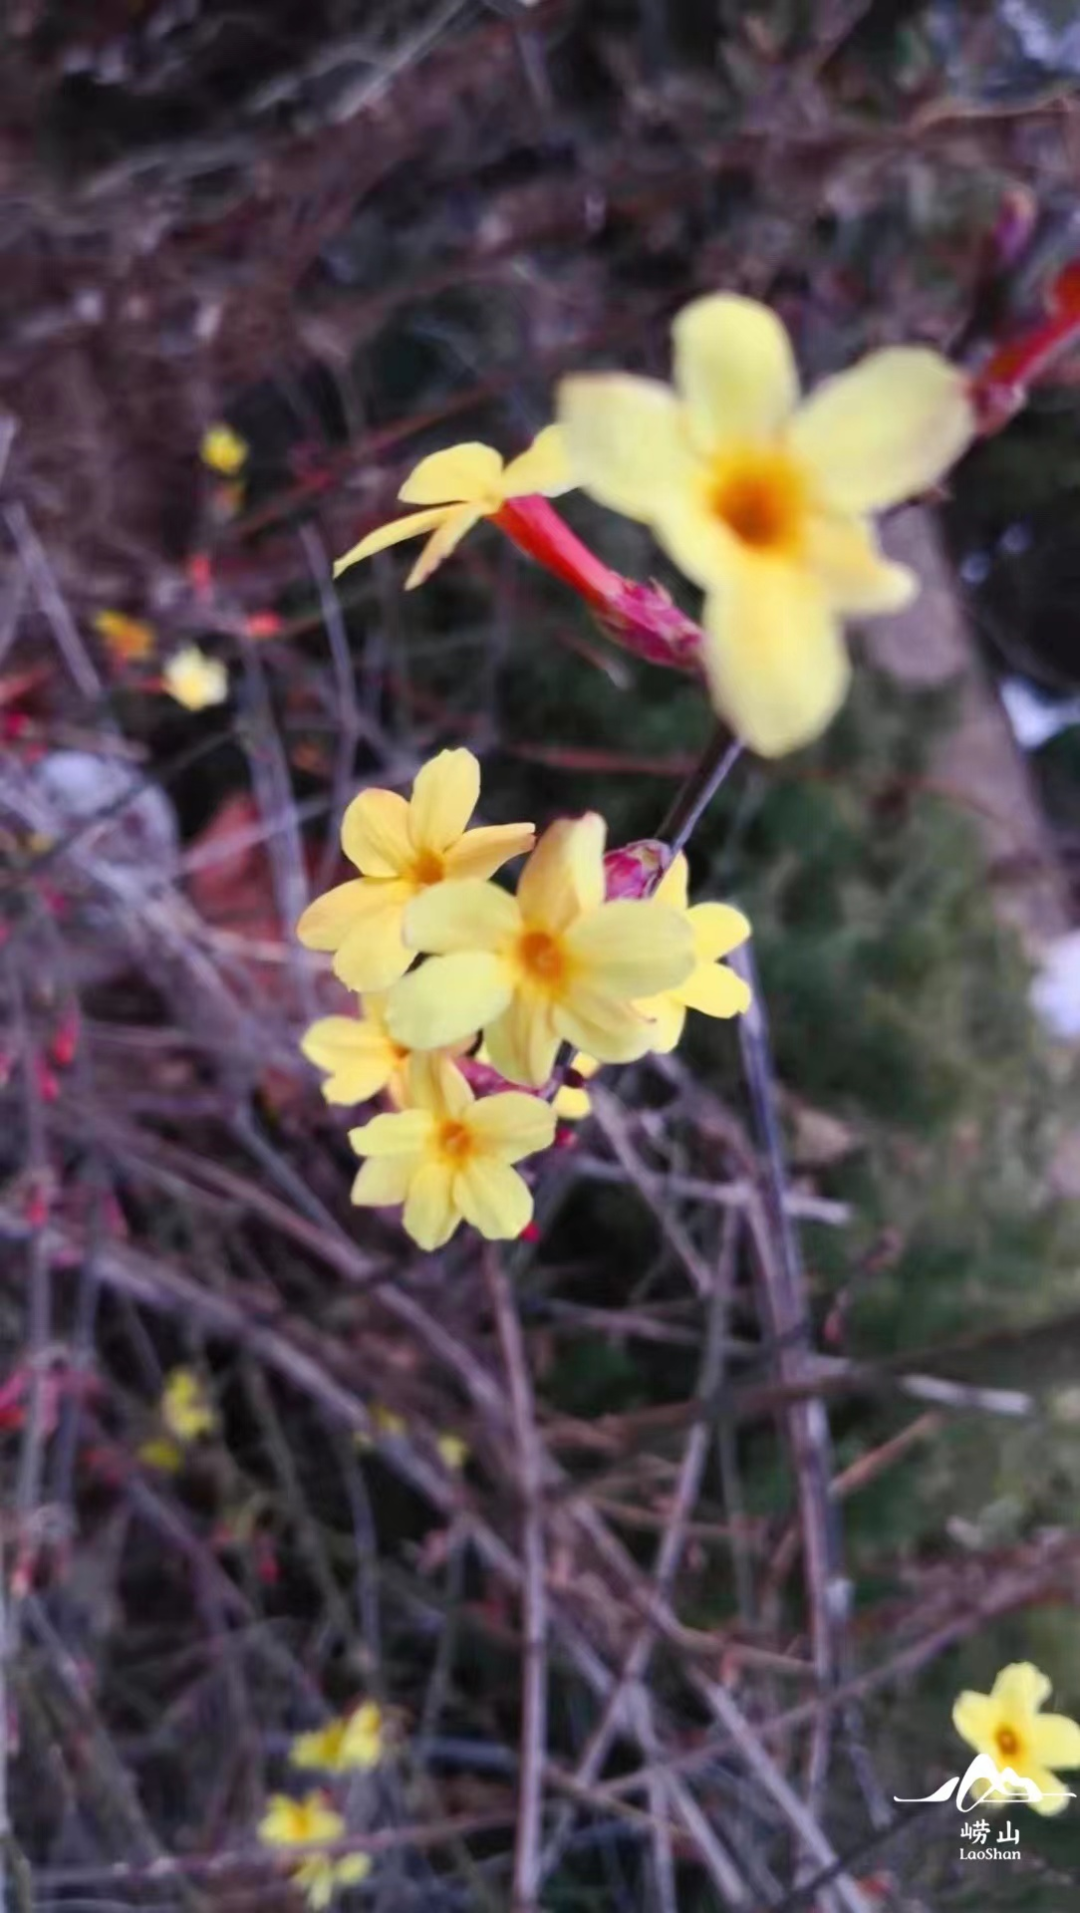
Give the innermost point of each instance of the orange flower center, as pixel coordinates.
(541, 957)
(1008, 1743)
(427, 867)
(455, 1141)
(761, 497)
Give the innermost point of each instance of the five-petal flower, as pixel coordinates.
(764, 501)
(1006, 1724)
(448, 1156)
(350, 1743)
(716, 929)
(458, 487)
(555, 963)
(402, 848)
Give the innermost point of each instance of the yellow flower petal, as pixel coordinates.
(223, 450)
(352, 1869)
(694, 536)
(404, 1132)
(450, 997)
(127, 639)
(631, 949)
(885, 430)
(668, 1018)
(1050, 1784)
(511, 1125)
(776, 663)
(462, 474)
(544, 467)
(565, 874)
(842, 553)
(430, 1216)
(373, 956)
(975, 1717)
(358, 1056)
(717, 929)
(624, 441)
(328, 919)
(445, 793)
(413, 525)
(735, 370)
(481, 852)
(494, 1198)
(315, 1877)
(1055, 1740)
(168, 1456)
(435, 1084)
(573, 1104)
(375, 833)
(674, 886)
(383, 1181)
(195, 680)
(1020, 1689)
(715, 990)
(458, 520)
(464, 915)
(522, 1042)
(611, 1031)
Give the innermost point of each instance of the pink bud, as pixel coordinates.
(634, 871)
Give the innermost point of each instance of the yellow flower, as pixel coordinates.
(186, 1408)
(448, 1157)
(319, 1877)
(353, 1742)
(453, 1452)
(1006, 1724)
(555, 963)
(459, 487)
(361, 1055)
(572, 1102)
(299, 1823)
(161, 1453)
(400, 849)
(195, 680)
(127, 639)
(223, 450)
(764, 501)
(717, 929)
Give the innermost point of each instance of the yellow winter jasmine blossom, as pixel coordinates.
(186, 1408)
(554, 964)
(1006, 1724)
(402, 848)
(299, 1823)
(195, 680)
(764, 501)
(361, 1055)
(448, 1157)
(453, 1452)
(351, 1743)
(571, 1102)
(223, 450)
(717, 929)
(458, 487)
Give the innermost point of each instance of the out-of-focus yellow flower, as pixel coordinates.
(161, 1453)
(459, 487)
(572, 1102)
(400, 849)
(448, 1157)
(195, 680)
(1006, 1725)
(126, 639)
(555, 963)
(186, 1408)
(351, 1743)
(223, 450)
(300, 1823)
(716, 929)
(319, 1878)
(764, 501)
(453, 1452)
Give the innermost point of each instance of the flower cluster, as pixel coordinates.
(560, 962)
(308, 1823)
(763, 500)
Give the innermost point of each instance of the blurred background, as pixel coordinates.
(800, 1321)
